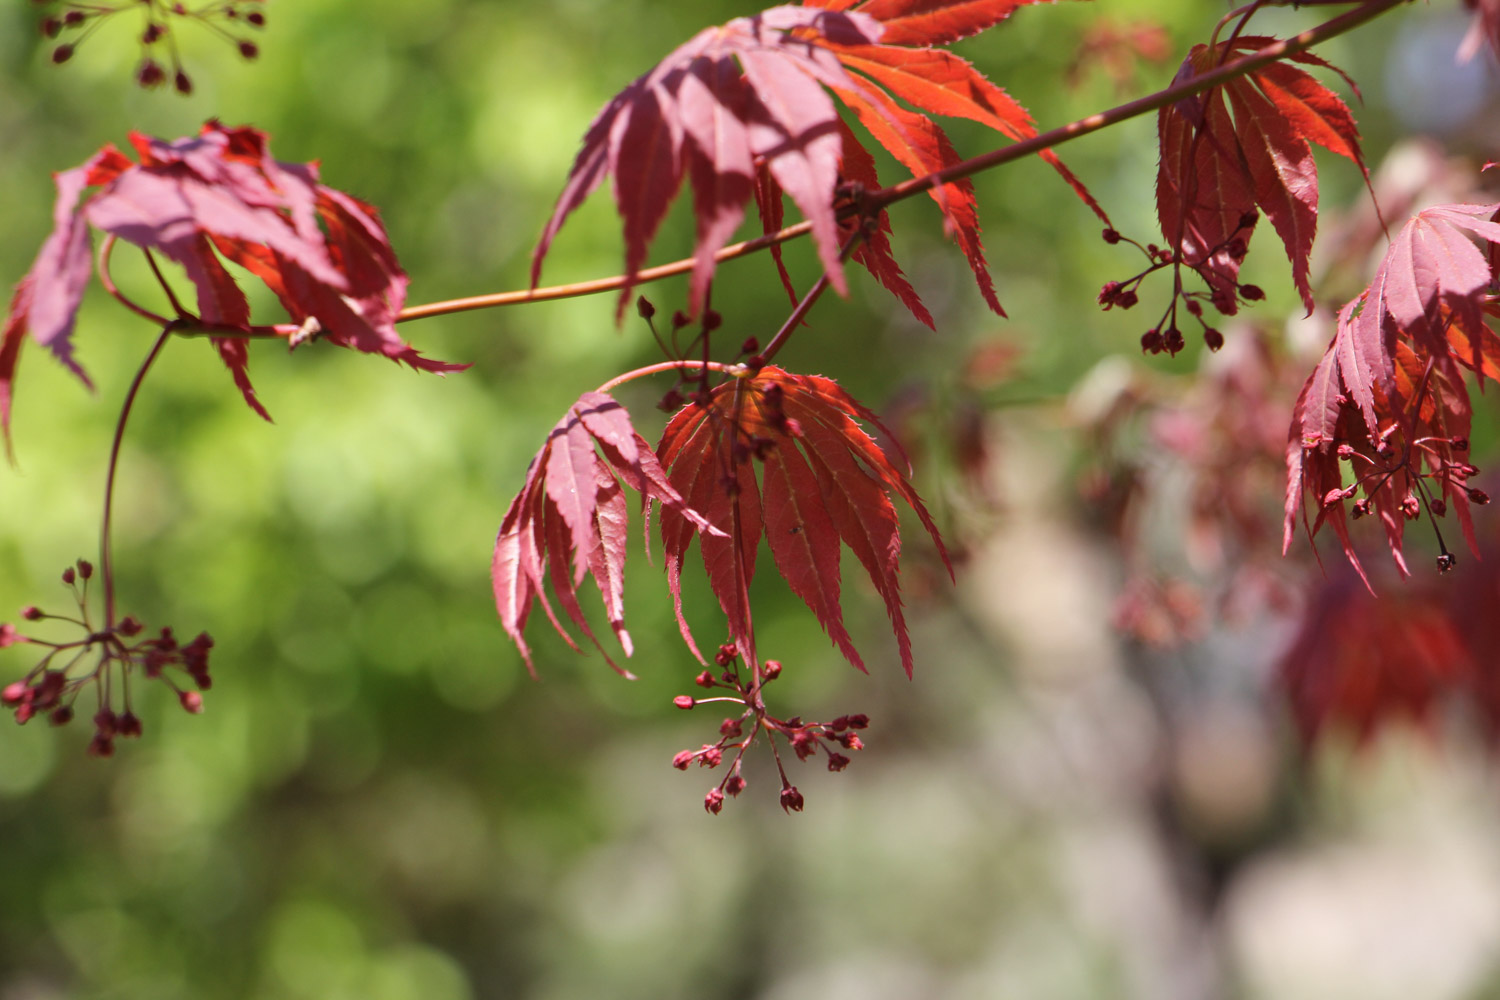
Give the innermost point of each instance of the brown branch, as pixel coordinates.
(967, 168)
(1188, 88)
(600, 284)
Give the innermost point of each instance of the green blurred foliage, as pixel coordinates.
(377, 803)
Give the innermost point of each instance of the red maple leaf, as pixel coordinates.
(824, 482)
(741, 110)
(1486, 28)
(1217, 168)
(906, 65)
(572, 503)
(1389, 396)
(196, 200)
(1359, 661)
(697, 115)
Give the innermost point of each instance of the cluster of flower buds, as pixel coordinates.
(692, 383)
(738, 734)
(104, 659)
(1224, 295)
(76, 21)
(1384, 468)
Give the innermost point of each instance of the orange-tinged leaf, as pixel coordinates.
(938, 22)
(874, 251)
(923, 148)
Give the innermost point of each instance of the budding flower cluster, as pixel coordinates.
(738, 733)
(223, 19)
(106, 659)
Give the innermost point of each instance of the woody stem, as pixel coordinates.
(967, 168)
(807, 301)
(669, 366)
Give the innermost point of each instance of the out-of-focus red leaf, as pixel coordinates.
(1486, 28)
(1359, 661)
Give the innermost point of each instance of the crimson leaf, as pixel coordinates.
(825, 483)
(196, 200)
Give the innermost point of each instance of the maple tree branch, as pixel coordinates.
(672, 366)
(805, 304)
(898, 192)
(579, 288)
(106, 562)
(1188, 88)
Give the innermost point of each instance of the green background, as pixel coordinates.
(377, 803)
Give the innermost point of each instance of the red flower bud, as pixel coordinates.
(791, 799)
(713, 801)
(684, 701)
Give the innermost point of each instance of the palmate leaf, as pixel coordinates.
(1390, 389)
(1359, 662)
(824, 483)
(572, 505)
(906, 66)
(196, 200)
(1246, 146)
(752, 88)
(744, 110)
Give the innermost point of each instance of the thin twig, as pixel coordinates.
(106, 563)
(578, 288)
(1187, 88)
(105, 250)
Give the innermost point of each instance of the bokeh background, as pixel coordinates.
(379, 804)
